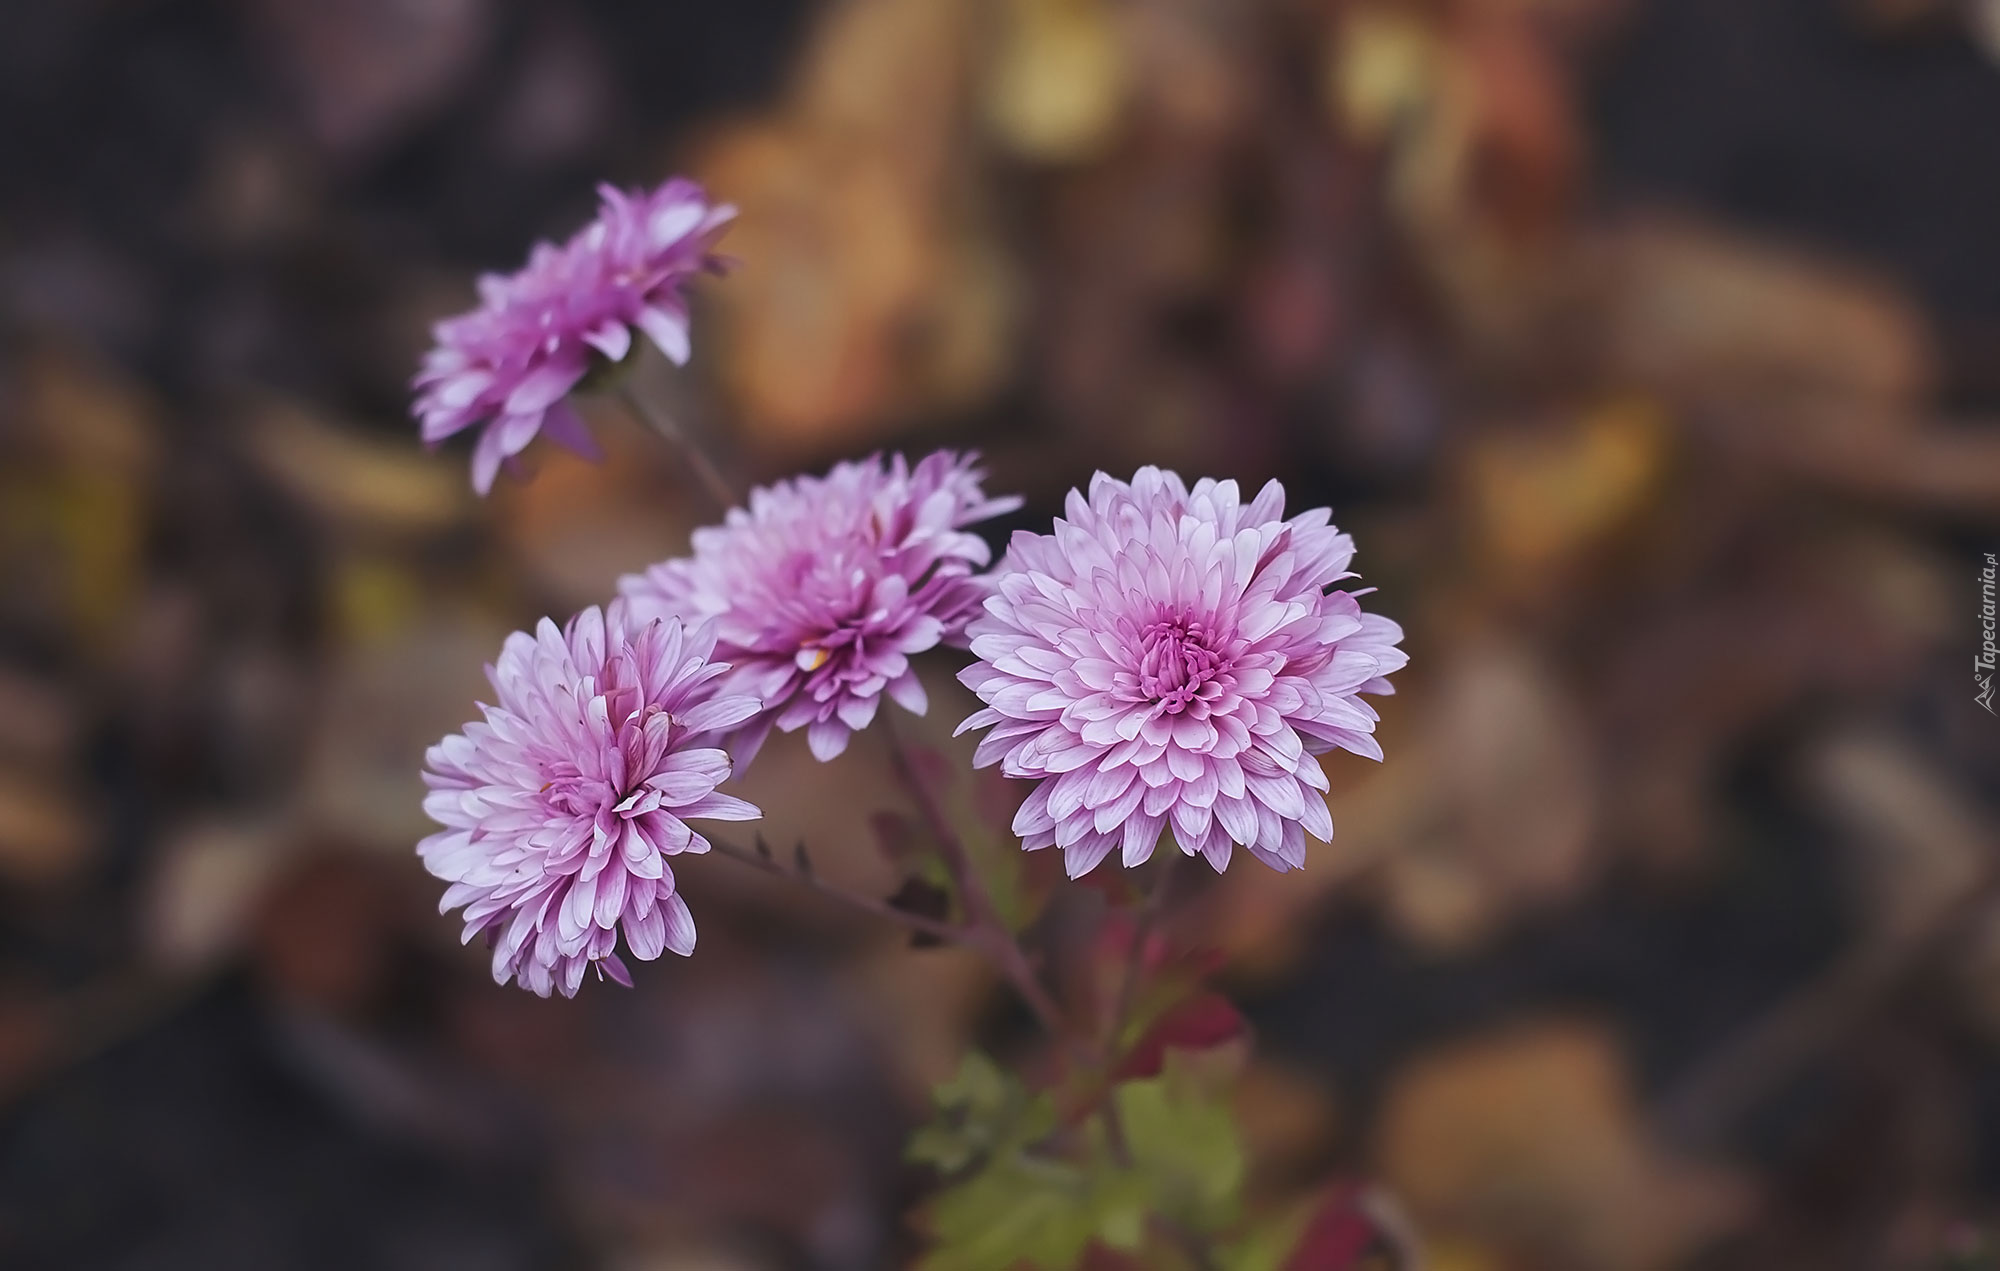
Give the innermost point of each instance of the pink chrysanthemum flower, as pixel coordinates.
(1174, 658)
(561, 807)
(511, 362)
(823, 589)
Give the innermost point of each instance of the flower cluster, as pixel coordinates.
(825, 586)
(1175, 658)
(1168, 659)
(511, 362)
(563, 804)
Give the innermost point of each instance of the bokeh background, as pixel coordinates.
(1651, 350)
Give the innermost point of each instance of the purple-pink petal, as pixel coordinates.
(823, 587)
(561, 806)
(536, 332)
(1172, 658)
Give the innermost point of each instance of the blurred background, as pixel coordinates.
(1651, 351)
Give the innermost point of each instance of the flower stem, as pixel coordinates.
(1128, 985)
(718, 486)
(1121, 1009)
(984, 923)
(949, 932)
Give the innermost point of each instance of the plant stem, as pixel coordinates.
(1142, 930)
(984, 924)
(717, 485)
(984, 929)
(990, 939)
(1121, 1009)
(948, 932)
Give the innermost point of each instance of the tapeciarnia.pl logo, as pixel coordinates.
(1983, 661)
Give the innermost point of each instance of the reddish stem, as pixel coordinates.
(718, 486)
(983, 917)
(945, 931)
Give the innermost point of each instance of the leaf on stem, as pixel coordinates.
(926, 900)
(1169, 1004)
(982, 1112)
(1183, 1141)
(1203, 1022)
(1018, 883)
(1029, 1192)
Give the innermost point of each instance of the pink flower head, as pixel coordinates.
(562, 805)
(823, 589)
(511, 362)
(1174, 658)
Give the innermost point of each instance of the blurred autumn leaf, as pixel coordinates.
(1056, 83)
(1531, 1140)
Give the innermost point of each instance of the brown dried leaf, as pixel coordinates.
(1510, 820)
(836, 255)
(1057, 79)
(355, 480)
(1532, 1141)
(1687, 305)
(45, 832)
(1917, 846)
(1540, 499)
(866, 293)
(206, 886)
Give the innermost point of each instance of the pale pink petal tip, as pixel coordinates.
(823, 589)
(509, 363)
(563, 805)
(1175, 659)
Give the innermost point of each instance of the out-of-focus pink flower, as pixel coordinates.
(511, 362)
(823, 589)
(1173, 658)
(562, 806)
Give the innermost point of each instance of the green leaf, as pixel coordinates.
(1026, 1209)
(1026, 1195)
(1017, 1210)
(1184, 1143)
(983, 1111)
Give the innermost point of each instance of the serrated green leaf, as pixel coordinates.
(943, 1148)
(1035, 1198)
(1183, 1141)
(1015, 1211)
(982, 1111)
(980, 1086)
